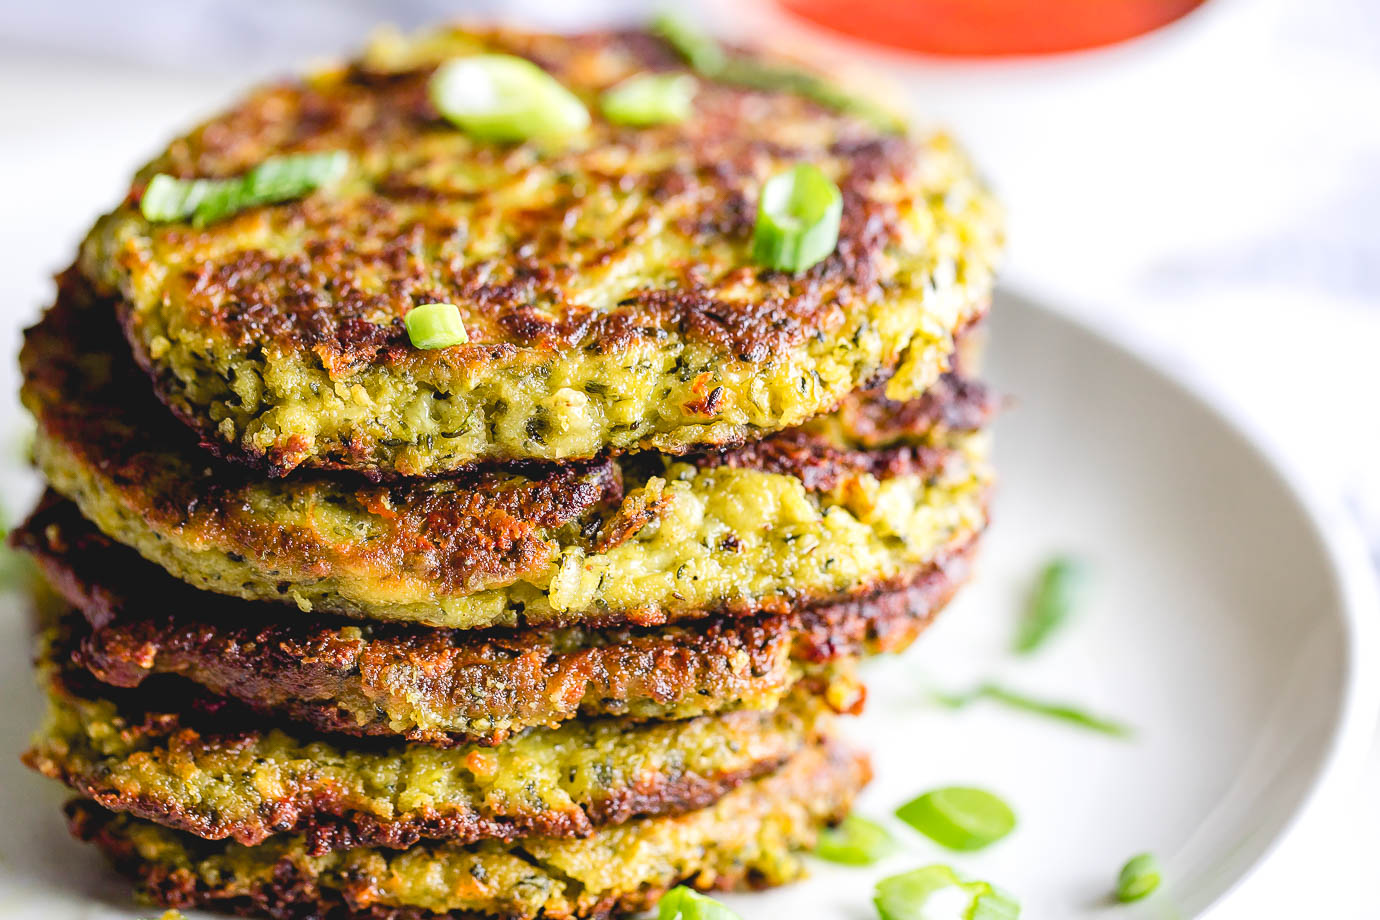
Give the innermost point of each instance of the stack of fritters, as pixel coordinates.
(537, 625)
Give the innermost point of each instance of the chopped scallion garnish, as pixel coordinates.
(700, 50)
(435, 325)
(855, 841)
(938, 893)
(681, 903)
(1063, 712)
(709, 59)
(754, 74)
(1054, 598)
(650, 99)
(995, 905)
(205, 201)
(168, 198)
(501, 97)
(797, 219)
(1138, 878)
(959, 817)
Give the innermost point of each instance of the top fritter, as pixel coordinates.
(605, 277)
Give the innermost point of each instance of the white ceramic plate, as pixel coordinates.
(1222, 624)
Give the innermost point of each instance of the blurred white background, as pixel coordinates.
(1210, 193)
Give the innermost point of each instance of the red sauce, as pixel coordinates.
(992, 27)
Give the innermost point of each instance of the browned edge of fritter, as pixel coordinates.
(958, 402)
(144, 622)
(323, 815)
(829, 774)
(263, 463)
(479, 529)
(257, 297)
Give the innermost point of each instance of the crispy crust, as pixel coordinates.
(750, 838)
(463, 534)
(447, 686)
(214, 769)
(479, 549)
(625, 250)
(887, 428)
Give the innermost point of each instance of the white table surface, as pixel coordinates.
(1215, 200)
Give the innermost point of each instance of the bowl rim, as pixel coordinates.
(1347, 562)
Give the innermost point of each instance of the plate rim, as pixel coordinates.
(1343, 548)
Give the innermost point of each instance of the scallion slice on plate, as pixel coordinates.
(1022, 702)
(855, 841)
(1054, 599)
(959, 817)
(1138, 878)
(938, 893)
(681, 903)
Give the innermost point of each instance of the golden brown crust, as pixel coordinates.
(214, 769)
(445, 686)
(255, 298)
(955, 403)
(623, 248)
(477, 549)
(461, 534)
(760, 827)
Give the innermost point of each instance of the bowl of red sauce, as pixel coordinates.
(991, 28)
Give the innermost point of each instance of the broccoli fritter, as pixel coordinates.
(804, 516)
(218, 772)
(751, 837)
(441, 685)
(606, 283)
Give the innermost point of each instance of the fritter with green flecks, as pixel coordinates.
(439, 685)
(605, 280)
(804, 516)
(751, 837)
(218, 772)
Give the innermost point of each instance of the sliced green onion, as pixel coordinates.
(205, 201)
(1138, 878)
(938, 893)
(959, 817)
(856, 841)
(797, 219)
(650, 99)
(708, 58)
(698, 47)
(435, 325)
(995, 905)
(500, 97)
(681, 903)
(1054, 598)
(168, 198)
(1063, 712)
(755, 74)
